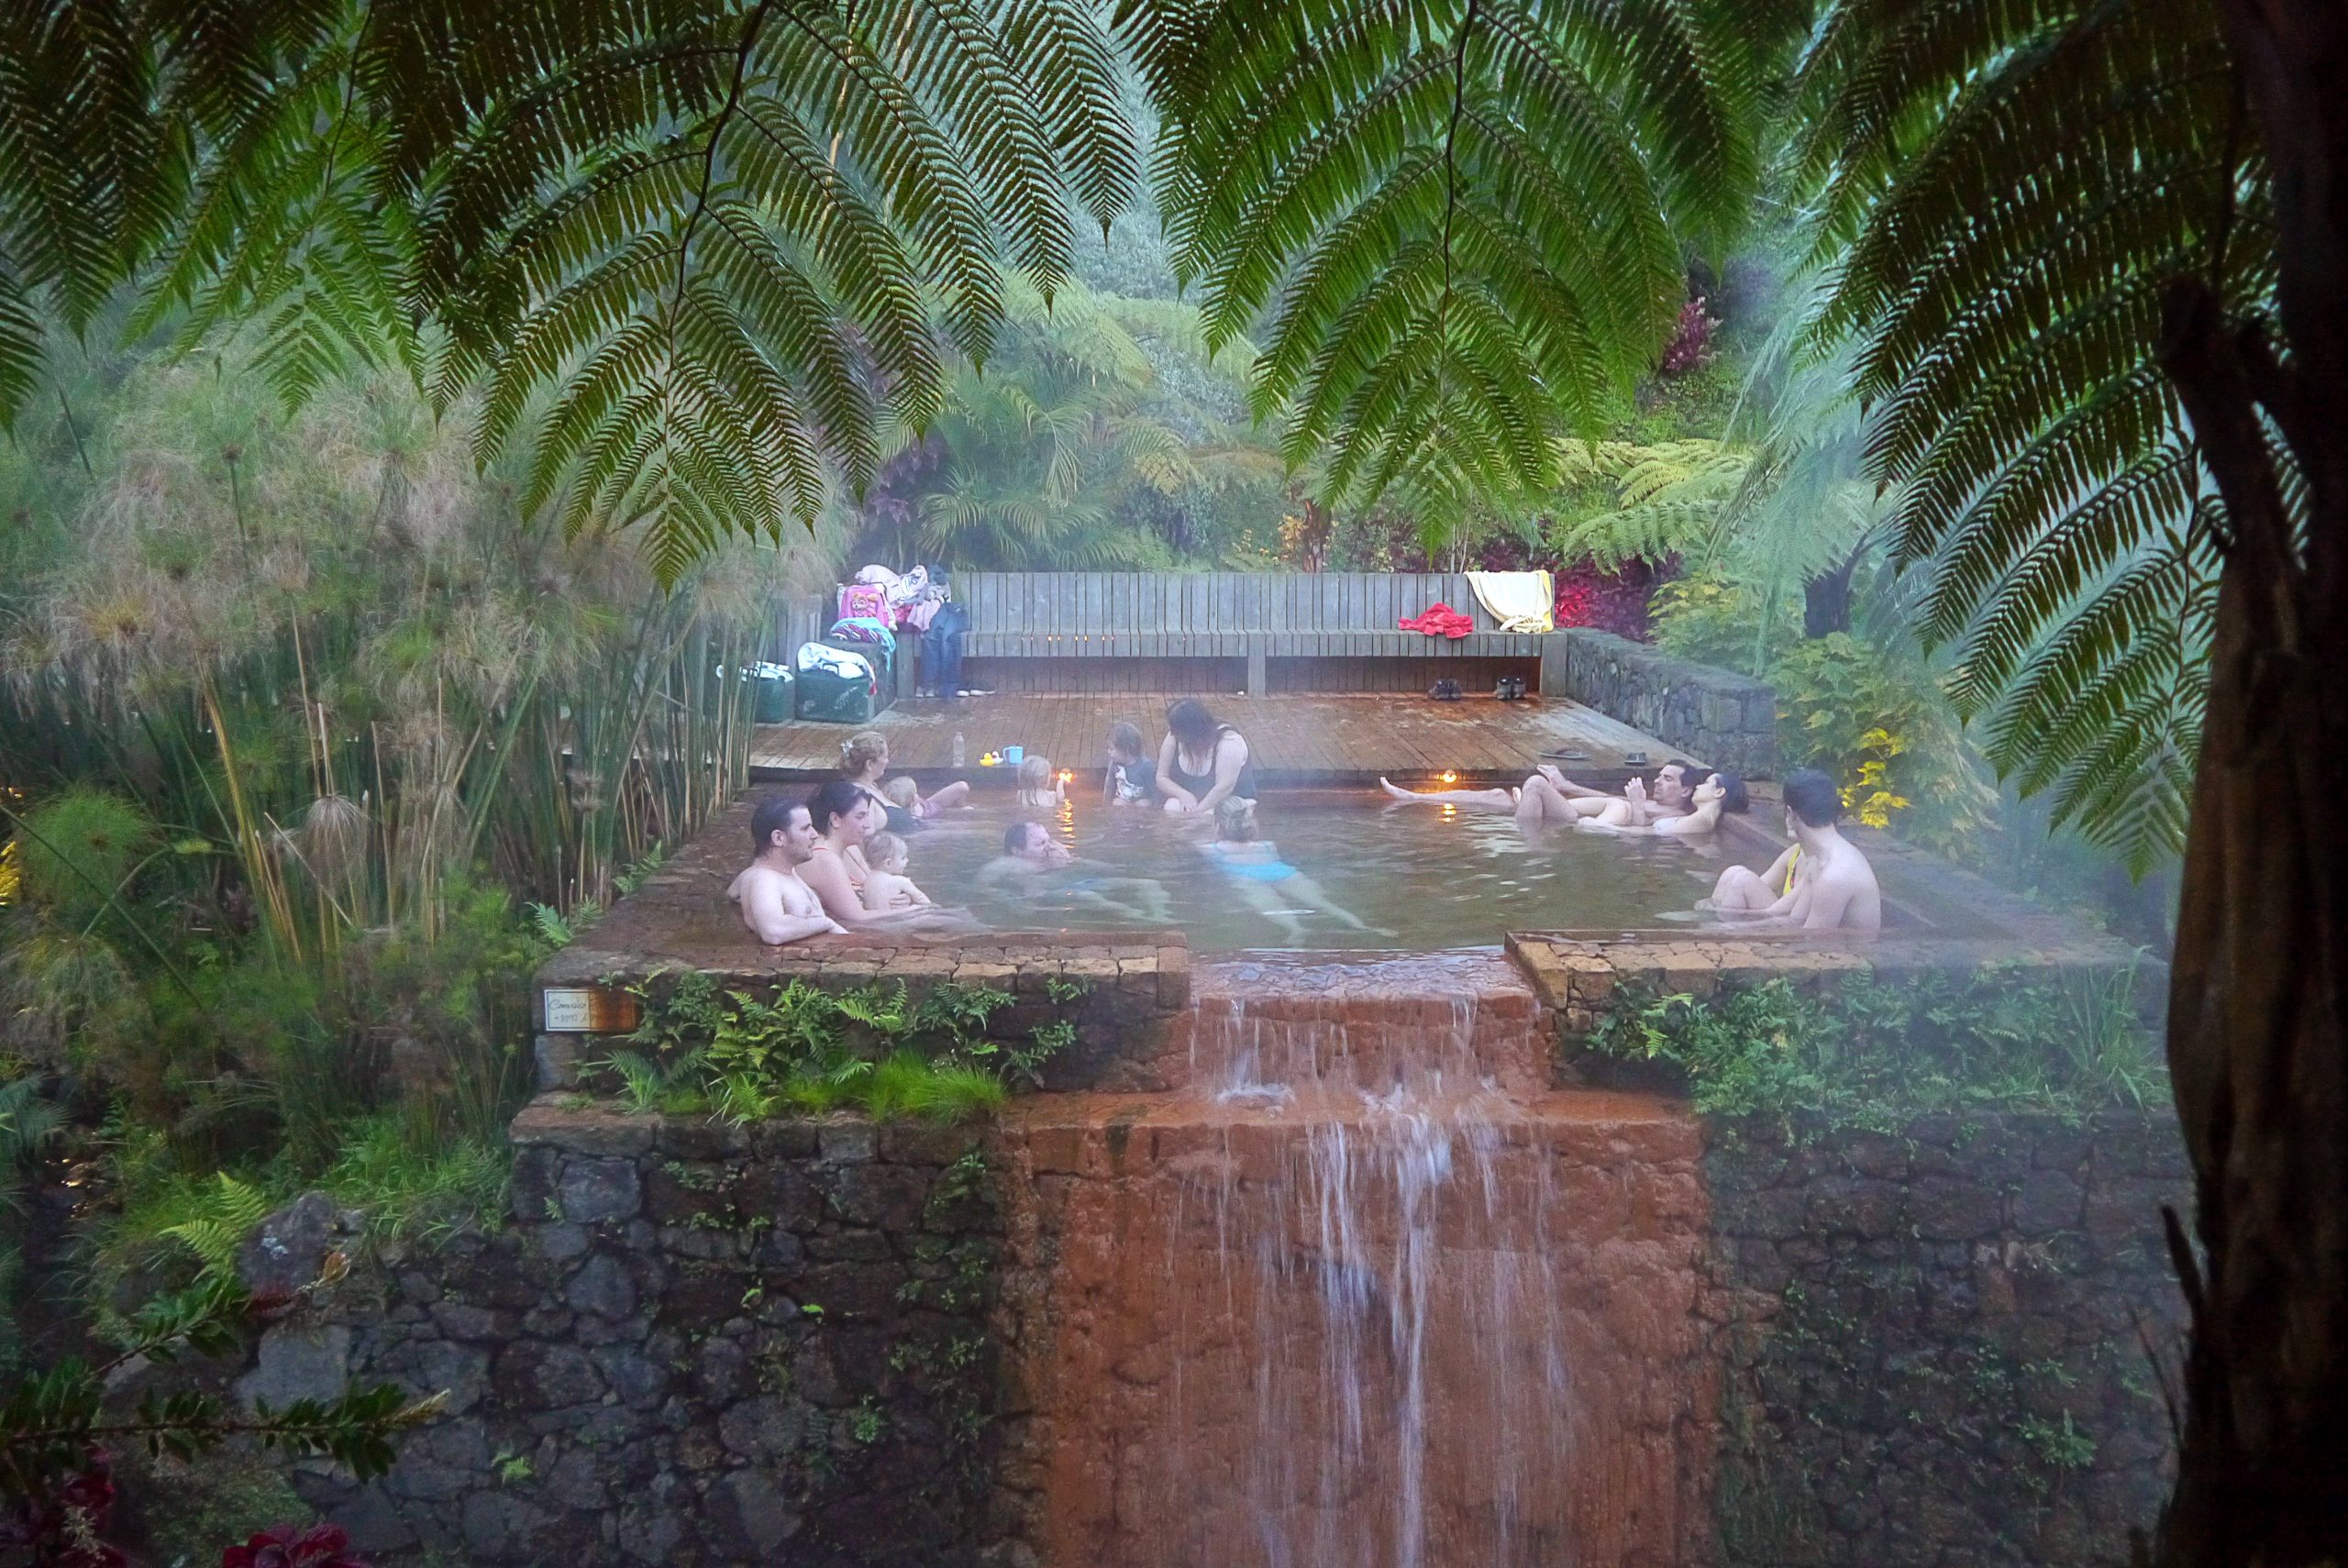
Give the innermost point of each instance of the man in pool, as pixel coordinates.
(1039, 869)
(774, 903)
(1550, 795)
(1822, 884)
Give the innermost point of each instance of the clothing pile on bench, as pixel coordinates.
(880, 603)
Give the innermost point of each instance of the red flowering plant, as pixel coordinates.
(1690, 347)
(62, 1520)
(57, 1490)
(1612, 602)
(291, 1546)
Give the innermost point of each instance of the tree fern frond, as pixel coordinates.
(2005, 192)
(1471, 213)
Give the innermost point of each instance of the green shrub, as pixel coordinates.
(740, 1055)
(1879, 725)
(1873, 1052)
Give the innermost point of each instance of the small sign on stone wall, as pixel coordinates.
(589, 1010)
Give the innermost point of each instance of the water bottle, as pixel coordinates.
(958, 752)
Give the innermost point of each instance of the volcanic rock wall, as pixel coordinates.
(1359, 1282)
(1728, 720)
(690, 1344)
(1944, 1346)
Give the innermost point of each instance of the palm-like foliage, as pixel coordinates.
(2005, 192)
(1467, 218)
(1667, 498)
(1041, 461)
(692, 245)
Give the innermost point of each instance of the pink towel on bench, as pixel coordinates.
(1440, 621)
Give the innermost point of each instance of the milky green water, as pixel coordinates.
(1421, 876)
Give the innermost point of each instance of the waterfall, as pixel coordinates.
(1362, 1291)
(1390, 1295)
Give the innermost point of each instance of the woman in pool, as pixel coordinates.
(1264, 881)
(1714, 794)
(1203, 762)
(864, 760)
(843, 815)
(1549, 796)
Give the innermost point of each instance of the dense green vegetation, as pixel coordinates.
(732, 1054)
(303, 707)
(1871, 1053)
(304, 716)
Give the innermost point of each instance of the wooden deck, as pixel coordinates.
(1303, 739)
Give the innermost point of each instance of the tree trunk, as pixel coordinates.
(2259, 993)
(1826, 598)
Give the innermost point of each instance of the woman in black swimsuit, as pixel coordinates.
(864, 760)
(1202, 761)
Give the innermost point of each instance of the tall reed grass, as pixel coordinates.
(371, 713)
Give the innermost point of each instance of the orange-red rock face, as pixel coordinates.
(1361, 1293)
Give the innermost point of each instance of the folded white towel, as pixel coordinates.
(1519, 600)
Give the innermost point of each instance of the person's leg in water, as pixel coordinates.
(1538, 801)
(1302, 890)
(1146, 891)
(949, 797)
(1267, 899)
(1495, 800)
(1740, 887)
(1088, 899)
(1542, 800)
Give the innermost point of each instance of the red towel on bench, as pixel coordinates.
(1440, 621)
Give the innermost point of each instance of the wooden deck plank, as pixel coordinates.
(1296, 737)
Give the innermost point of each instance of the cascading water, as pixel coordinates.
(1364, 1293)
(1407, 1360)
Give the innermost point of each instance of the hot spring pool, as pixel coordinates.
(1423, 877)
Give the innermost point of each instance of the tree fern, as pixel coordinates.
(692, 248)
(1466, 220)
(2004, 193)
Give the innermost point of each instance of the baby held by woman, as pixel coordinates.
(886, 886)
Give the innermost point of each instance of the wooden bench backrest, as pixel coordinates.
(1097, 605)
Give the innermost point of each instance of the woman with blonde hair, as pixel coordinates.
(864, 760)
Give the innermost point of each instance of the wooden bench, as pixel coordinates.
(1272, 633)
(1251, 623)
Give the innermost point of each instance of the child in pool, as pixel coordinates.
(905, 795)
(886, 886)
(1264, 881)
(1039, 788)
(1133, 772)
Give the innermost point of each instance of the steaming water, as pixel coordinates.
(1386, 1296)
(1425, 879)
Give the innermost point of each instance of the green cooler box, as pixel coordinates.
(771, 687)
(842, 685)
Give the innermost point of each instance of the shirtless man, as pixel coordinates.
(1832, 887)
(1711, 795)
(1030, 859)
(774, 903)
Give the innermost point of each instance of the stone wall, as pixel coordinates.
(690, 1344)
(1715, 715)
(1938, 1343)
